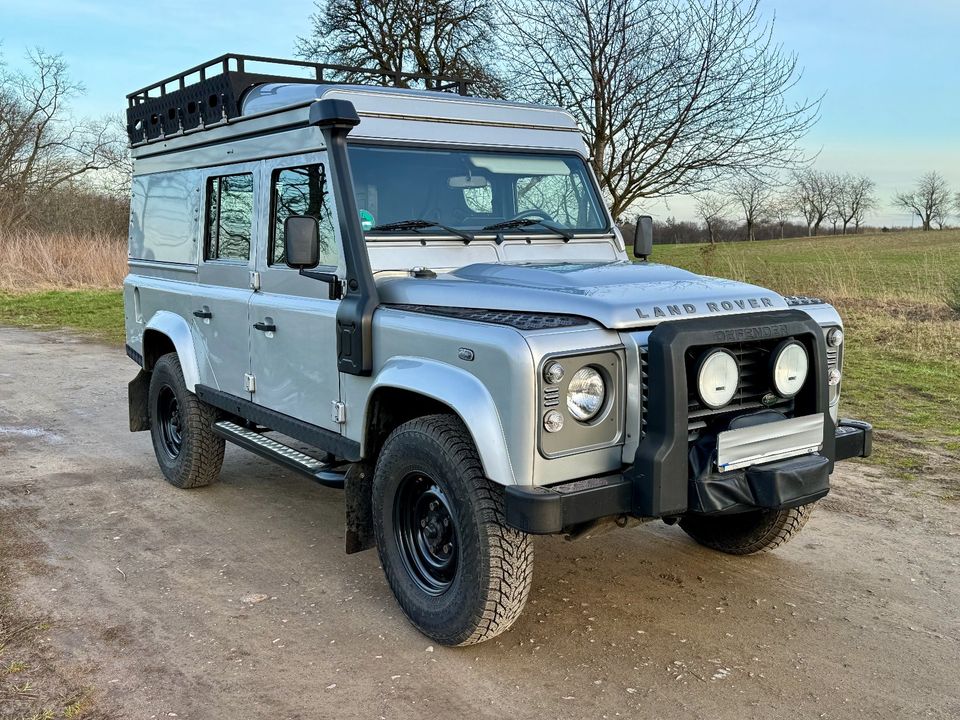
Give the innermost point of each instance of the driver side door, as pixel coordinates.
(293, 342)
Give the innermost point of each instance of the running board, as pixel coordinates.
(278, 452)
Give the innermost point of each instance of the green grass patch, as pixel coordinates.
(95, 312)
(921, 267)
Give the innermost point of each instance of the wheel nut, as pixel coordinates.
(433, 505)
(423, 523)
(447, 548)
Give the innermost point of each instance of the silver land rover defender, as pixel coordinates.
(419, 297)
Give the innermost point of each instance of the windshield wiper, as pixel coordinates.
(422, 225)
(527, 222)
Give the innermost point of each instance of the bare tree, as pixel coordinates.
(673, 96)
(431, 37)
(712, 209)
(42, 148)
(781, 209)
(754, 195)
(853, 197)
(929, 200)
(813, 193)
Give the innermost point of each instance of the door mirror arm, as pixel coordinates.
(332, 279)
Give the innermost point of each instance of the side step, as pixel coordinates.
(278, 452)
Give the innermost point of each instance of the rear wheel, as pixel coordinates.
(458, 572)
(749, 532)
(187, 450)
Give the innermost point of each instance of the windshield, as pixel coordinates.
(436, 191)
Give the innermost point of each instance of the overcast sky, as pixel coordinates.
(889, 67)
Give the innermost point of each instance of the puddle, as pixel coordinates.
(34, 433)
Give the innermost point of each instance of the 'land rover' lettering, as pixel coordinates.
(662, 311)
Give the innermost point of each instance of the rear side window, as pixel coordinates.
(229, 217)
(302, 191)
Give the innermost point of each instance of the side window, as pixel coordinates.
(302, 191)
(229, 217)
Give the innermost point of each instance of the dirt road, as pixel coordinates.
(236, 601)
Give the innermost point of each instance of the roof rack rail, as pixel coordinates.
(211, 93)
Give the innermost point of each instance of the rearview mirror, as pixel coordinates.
(467, 182)
(301, 237)
(643, 237)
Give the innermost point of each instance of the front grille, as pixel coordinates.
(753, 360)
(644, 392)
(833, 357)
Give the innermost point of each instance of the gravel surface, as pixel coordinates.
(237, 600)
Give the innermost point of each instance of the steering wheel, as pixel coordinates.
(534, 213)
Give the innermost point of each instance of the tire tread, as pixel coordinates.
(510, 551)
(202, 456)
(773, 529)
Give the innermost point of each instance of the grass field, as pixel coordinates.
(96, 312)
(902, 362)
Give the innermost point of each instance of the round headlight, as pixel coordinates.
(835, 337)
(717, 378)
(790, 367)
(585, 394)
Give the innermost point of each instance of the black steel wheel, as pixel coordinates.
(168, 418)
(426, 533)
(458, 572)
(187, 450)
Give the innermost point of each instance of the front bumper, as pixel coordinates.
(776, 485)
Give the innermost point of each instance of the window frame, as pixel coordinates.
(273, 175)
(592, 186)
(208, 194)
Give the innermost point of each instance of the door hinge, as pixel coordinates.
(249, 383)
(254, 280)
(338, 412)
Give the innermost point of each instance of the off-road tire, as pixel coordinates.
(201, 451)
(494, 569)
(747, 533)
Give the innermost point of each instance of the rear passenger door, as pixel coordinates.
(294, 353)
(221, 302)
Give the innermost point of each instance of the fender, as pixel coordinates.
(178, 330)
(461, 392)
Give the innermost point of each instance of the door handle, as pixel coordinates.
(203, 314)
(264, 327)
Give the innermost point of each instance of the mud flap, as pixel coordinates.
(138, 391)
(358, 503)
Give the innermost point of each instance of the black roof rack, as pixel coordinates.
(211, 93)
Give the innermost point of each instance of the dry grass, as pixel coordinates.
(30, 261)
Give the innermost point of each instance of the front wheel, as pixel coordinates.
(458, 572)
(749, 532)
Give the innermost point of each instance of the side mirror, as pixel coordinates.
(301, 238)
(643, 237)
